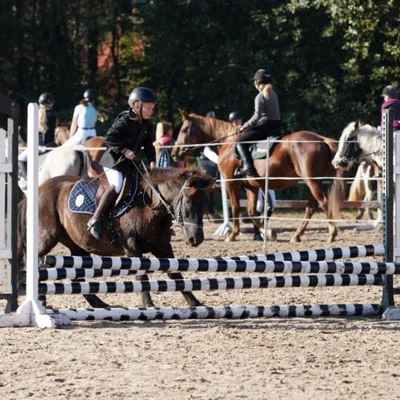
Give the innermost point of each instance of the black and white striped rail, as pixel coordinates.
(248, 266)
(189, 285)
(228, 312)
(59, 261)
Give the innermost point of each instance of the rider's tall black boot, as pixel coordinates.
(244, 153)
(94, 224)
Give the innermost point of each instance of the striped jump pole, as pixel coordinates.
(189, 285)
(59, 261)
(228, 312)
(285, 267)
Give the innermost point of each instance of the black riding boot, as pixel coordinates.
(244, 153)
(94, 224)
(22, 169)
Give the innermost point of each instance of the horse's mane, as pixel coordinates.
(363, 128)
(216, 128)
(369, 138)
(168, 174)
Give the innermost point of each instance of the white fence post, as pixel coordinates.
(31, 308)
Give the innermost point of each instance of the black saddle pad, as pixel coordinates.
(82, 198)
(260, 149)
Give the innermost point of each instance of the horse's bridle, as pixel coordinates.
(174, 210)
(352, 150)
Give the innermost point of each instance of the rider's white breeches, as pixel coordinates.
(114, 178)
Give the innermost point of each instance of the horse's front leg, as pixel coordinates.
(131, 250)
(233, 189)
(190, 298)
(92, 299)
(147, 301)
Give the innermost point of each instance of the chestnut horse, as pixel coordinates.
(298, 156)
(95, 145)
(165, 195)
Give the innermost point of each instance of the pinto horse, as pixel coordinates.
(364, 186)
(298, 156)
(359, 142)
(165, 195)
(68, 160)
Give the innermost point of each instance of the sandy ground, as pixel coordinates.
(318, 358)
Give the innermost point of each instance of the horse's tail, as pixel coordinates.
(337, 190)
(85, 160)
(336, 195)
(21, 232)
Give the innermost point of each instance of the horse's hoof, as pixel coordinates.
(230, 239)
(271, 234)
(295, 239)
(258, 237)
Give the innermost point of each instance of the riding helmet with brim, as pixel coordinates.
(89, 94)
(390, 91)
(262, 76)
(46, 99)
(142, 94)
(234, 115)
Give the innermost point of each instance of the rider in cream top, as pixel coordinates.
(84, 120)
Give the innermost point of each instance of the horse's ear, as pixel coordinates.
(201, 181)
(357, 125)
(184, 115)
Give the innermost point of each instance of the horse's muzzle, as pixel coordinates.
(343, 163)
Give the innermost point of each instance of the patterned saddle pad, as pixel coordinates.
(82, 198)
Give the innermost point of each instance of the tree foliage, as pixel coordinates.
(329, 58)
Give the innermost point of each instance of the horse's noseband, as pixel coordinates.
(351, 151)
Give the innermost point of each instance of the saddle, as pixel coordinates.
(261, 149)
(85, 195)
(96, 170)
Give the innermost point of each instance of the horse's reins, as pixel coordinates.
(176, 216)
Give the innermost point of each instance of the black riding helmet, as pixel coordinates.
(89, 94)
(262, 76)
(234, 115)
(143, 94)
(46, 99)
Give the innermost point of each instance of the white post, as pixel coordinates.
(266, 197)
(31, 306)
(226, 225)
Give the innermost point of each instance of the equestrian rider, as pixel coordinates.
(47, 127)
(389, 94)
(130, 131)
(83, 124)
(265, 122)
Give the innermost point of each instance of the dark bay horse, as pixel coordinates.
(300, 155)
(165, 195)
